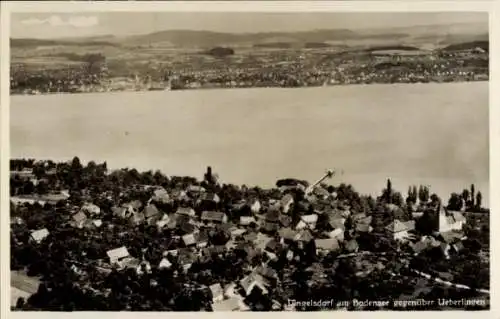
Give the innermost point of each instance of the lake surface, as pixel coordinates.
(430, 134)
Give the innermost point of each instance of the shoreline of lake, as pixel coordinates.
(240, 88)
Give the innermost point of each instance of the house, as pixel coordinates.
(22, 286)
(189, 240)
(457, 247)
(93, 223)
(287, 235)
(209, 197)
(160, 195)
(195, 189)
(269, 227)
(337, 233)
(179, 195)
(351, 246)
(326, 245)
(91, 209)
(400, 230)
(247, 220)
(267, 272)
(252, 281)
(255, 205)
(307, 222)
(121, 212)
(216, 249)
(320, 192)
(163, 221)
(304, 236)
(445, 249)
(272, 215)
(286, 203)
(285, 220)
(261, 241)
(39, 235)
(137, 218)
(54, 198)
(117, 255)
(16, 220)
(144, 267)
(450, 220)
(217, 292)
(201, 239)
(186, 258)
(24, 174)
(213, 217)
(133, 206)
(250, 236)
(78, 219)
(165, 264)
(450, 237)
(230, 290)
(184, 223)
(186, 211)
(426, 242)
(172, 252)
(151, 213)
(363, 228)
(273, 246)
(417, 214)
(361, 219)
(237, 232)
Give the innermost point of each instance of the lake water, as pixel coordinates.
(430, 134)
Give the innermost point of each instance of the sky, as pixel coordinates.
(55, 25)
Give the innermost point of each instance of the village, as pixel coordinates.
(254, 68)
(89, 238)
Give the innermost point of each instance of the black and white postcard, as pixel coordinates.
(202, 160)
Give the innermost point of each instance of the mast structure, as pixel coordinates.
(329, 174)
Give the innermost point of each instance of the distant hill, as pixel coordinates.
(314, 45)
(274, 45)
(185, 38)
(485, 45)
(444, 35)
(393, 47)
(220, 52)
(28, 43)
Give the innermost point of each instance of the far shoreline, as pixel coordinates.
(250, 88)
(400, 183)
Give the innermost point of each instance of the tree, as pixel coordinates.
(397, 199)
(41, 188)
(76, 164)
(465, 195)
(93, 62)
(479, 200)
(472, 194)
(423, 194)
(455, 202)
(435, 200)
(412, 195)
(20, 303)
(387, 193)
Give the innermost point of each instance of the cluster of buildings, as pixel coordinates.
(70, 79)
(269, 228)
(283, 68)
